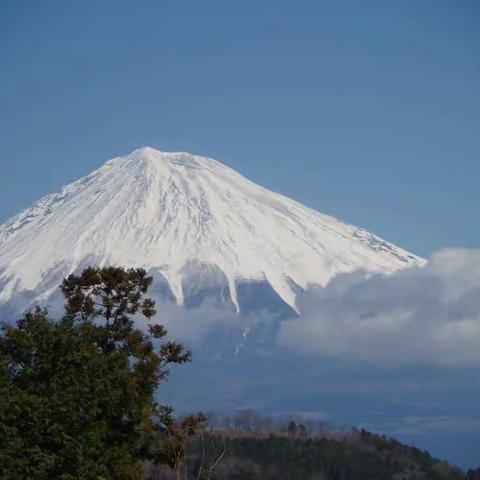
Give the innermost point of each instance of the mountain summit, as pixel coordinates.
(198, 226)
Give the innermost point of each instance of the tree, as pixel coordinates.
(245, 419)
(292, 428)
(77, 395)
(172, 450)
(302, 431)
(473, 474)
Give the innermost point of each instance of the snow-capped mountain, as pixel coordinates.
(198, 226)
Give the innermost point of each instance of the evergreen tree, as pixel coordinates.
(77, 395)
(292, 428)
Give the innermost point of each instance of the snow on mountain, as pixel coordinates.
(196, 224)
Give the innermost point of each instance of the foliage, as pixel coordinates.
(77, 395)
(174, 438)
(359, 456)
(286, 455)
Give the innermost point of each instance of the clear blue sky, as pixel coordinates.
(369, 110)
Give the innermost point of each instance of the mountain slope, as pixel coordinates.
(196, 224)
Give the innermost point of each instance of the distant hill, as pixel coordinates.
(356, 455)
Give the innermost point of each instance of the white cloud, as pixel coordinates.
(429, 314)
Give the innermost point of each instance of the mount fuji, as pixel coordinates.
(199, 227)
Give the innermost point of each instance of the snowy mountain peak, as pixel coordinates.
(149, 154)
(200, 227)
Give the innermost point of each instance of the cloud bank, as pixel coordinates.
(429, 314)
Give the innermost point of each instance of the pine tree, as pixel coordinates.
(77, 395)
(292, 428)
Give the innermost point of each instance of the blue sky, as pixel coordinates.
(369, 111)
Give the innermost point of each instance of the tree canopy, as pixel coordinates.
(77, 395)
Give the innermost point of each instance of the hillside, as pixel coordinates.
(355, 455)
